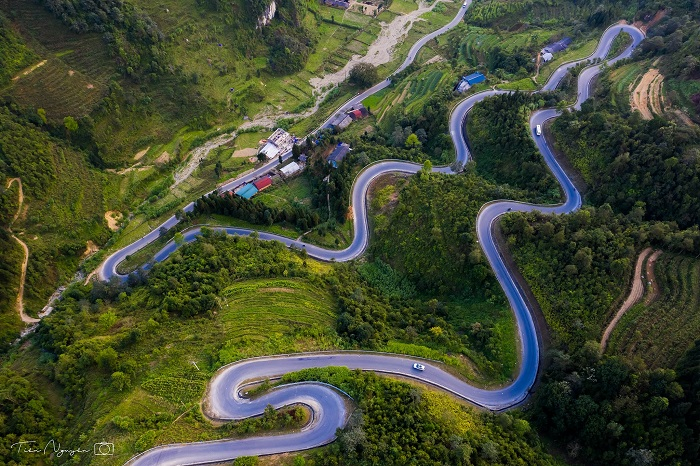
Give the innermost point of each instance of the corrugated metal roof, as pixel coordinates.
(339, 153)
(290, 169)
(475, 78)
(248, 191)
(263, 183)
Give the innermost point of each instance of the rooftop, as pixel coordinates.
(338, 154)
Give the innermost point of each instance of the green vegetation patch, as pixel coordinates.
(503, 148)
(661, 332)
(14, 54)
(259, 308)
(175, 389)
(631, 163)
(397, 423)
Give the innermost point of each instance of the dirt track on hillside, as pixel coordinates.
(635, 295)
(20, 294)
(647, 96)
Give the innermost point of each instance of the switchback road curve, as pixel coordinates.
(223, 400)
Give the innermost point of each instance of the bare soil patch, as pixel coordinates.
(276, 290)
(113, 217)
(646, 97)
(141, 153)
(435, 59)
(90, 248)
(249, 152)
(29, 70)
(381, 183)
(163, 158)
(644, 27)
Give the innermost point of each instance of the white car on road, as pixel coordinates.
(538, 130)
(419, 367)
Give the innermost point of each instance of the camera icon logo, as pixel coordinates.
(103, 449)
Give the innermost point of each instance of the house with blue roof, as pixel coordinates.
(468, 81)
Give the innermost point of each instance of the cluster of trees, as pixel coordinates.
(518, 61)
(189, 282)
(396, 423)
(17, 139)
(576, 266)
(186, 285)
(431, 238)
(364, 75)
(607, 411)
(331, 197)
(256, 212)
(10, 265)
(603, 410)
(14, 55)
(589, 255)
(676, 40)
(133, 37)
(25, 416)
(631, 163)
(502, 147)
(430, 125)
(289, 42)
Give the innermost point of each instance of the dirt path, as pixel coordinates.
(199, 154)
(29, 70)
(20, 294)
(655, 291)
(646, 97)
(635, 295)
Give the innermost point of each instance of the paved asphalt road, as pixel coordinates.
(223, 400)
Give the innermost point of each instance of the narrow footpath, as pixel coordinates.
(20, 294)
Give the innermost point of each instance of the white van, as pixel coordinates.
(464, 4)
(538, 130)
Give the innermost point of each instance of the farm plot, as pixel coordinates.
(256, 309)
(421, 88)
(660, 333)
(59, 90)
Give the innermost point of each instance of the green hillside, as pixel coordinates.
(659, 333)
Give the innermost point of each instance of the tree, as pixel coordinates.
(120, 380)
(363, 75)
(296, 150)
(412, 141)
(261, 157)
(42, 114)
(70, 124)
(218, 168)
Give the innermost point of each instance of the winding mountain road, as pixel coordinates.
(223, 400)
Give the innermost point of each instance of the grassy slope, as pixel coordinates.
(661, 332)
(258, 317)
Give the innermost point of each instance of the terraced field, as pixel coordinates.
(480, 40)
(660, 332)
(623, 79)
(77, 68)
(256, 309)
